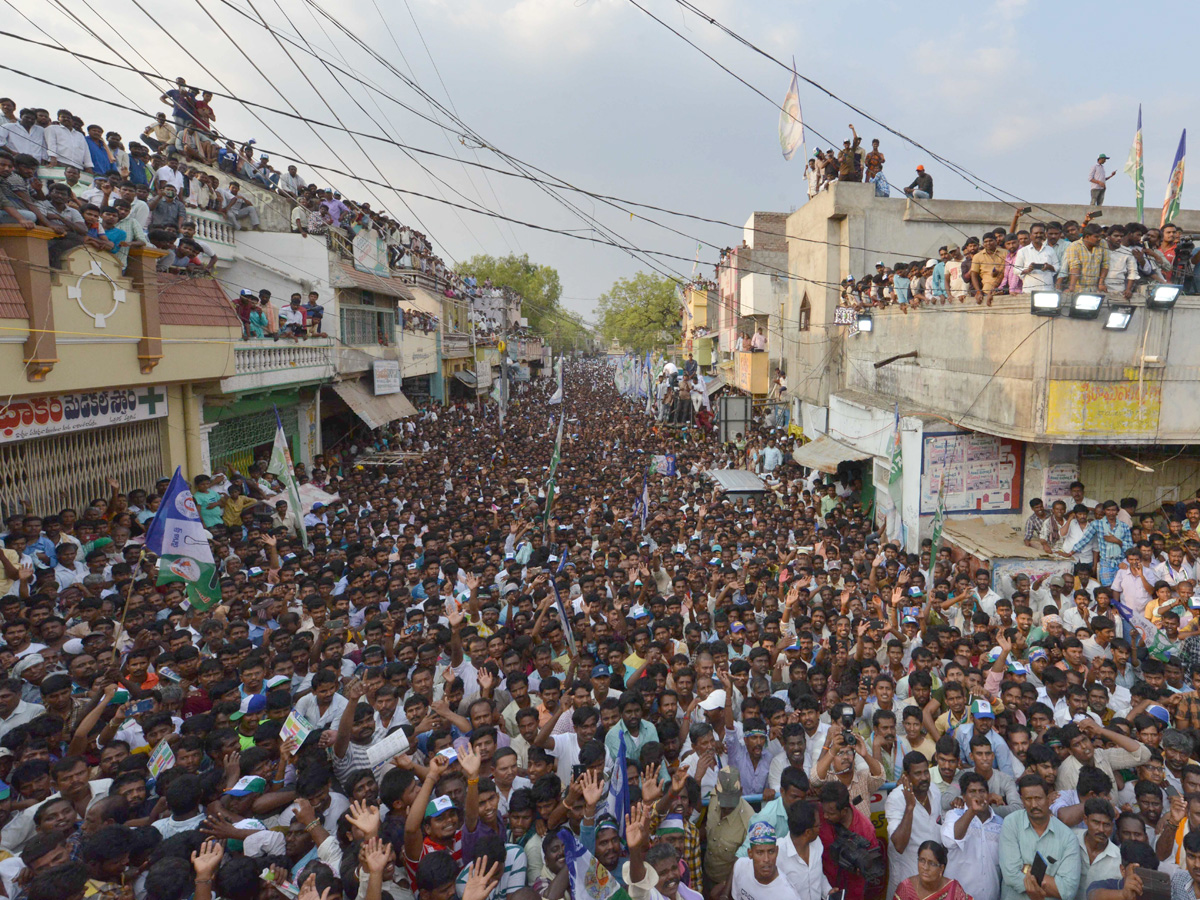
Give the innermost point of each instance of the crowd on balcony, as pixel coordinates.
(262, 319)
(1116, 260)
(417, 322)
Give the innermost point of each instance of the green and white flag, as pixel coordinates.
(281, 465)
(939, 520)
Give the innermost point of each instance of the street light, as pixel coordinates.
(865, 323)
(1045, 303)
(1118, 318)
(1085, 306)
(1163, 296)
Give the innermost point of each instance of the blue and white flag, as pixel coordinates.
(645, 500)
(618, 788)
(177, 535)
(588, 879)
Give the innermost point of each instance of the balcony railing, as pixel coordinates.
(213, 229)
(268, 363)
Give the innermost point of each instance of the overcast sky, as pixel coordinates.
(600, 95)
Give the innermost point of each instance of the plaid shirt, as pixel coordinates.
(1086, 263)
(1097, 529)
(691, 846)
(1185, 708)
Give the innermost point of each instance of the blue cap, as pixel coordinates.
(601, 671)
(1160, 713)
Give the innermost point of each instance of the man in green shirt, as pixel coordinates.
(208, 501)
(1033, 832)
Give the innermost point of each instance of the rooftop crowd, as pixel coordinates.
(1114, 260)
(93, 189)
(766, 666)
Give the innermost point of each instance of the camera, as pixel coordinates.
(848, 726)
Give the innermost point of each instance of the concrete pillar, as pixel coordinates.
(32, 246)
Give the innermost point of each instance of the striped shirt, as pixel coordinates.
(511, 880)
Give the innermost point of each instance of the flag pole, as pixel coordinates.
(129, 593)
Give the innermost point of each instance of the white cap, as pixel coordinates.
(714, 701)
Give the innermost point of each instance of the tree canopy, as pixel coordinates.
(637, 310)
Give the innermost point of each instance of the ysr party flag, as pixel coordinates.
(791, 121)
(179, 538)
(1175, 183)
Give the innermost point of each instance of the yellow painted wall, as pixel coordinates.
(752, 372)
(1122, 408)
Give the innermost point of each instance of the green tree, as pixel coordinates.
(540, 288)
(637, 310)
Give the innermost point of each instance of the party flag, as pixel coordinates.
(1133, 167)
(1174, 183)
(178, 536)
(281, 465)
(791, 119)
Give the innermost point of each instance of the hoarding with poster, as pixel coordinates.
(982, 473)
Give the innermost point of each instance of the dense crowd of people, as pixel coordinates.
(429, 692)
(1114, 260)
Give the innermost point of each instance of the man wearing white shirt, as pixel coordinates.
(1174, 568)
(66, 145)
(24, 136)
(1036, 262)
(13, 710)
(170, 174)
(800, 853)
(914, 811)
(69, 570)
(971, 836)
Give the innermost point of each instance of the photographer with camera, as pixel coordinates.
(846, 760)
(853, 857)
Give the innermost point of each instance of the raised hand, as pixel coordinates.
(481, 881)
(377, 854)
(469, 759)
(207, 859)
(364, 817)
(593, 787)
(637, 826)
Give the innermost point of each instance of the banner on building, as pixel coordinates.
(387, 376)
(370, 254)
(37, 417)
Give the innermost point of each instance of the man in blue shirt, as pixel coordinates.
(982, 723)
(182, 101)
(102, 163)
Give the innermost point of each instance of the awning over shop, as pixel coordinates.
(737, 481)
(374, 411)
(715, 383)
(467, 377)
(984, 540)
(824, 454)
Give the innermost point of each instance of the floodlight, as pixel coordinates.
(1045, 303)
(865, 323)
(1085, 306)
(1118, 318)
(1163, 296)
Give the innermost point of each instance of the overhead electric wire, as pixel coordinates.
(450, 100)
(970, 177)
(553, 181)
(615, 236)
(434, 180)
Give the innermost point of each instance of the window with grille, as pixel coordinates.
(233, 442)
(805, 313)
(363, 326)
